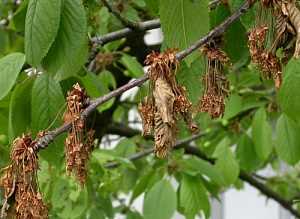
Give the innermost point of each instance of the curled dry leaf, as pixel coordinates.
(215, 83)
(19, 182)
(164, 136)
(290, 9)
(78, 144)
(166, 102)
(164, 122)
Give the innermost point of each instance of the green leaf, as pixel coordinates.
(99, 85)
(141, 185)
(20, 109)
(153, 6)
(47, 102)
(237, 50)
(233, 106)
(249, 18)
(3, 121)
(193, 197)
(289, 96)
(145, 182)
(41, 25)
(246, 154)
(135, 69)
(183, 21)
(194, 166)
(19, 17)
(134, 215)
(262, 134)
(227, 164)
(190, 78)
(288, 140)
(68, 52)
(160, 201)
(10, 66)
(125, 148)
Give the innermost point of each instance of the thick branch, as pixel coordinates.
(43, 142)
(268, 192)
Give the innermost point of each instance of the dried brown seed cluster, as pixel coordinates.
(215, 83)
(78, 144)
(166, 102)
(103, 60)
(283, 30)
(147, 109)
(268, 63)
(20, 182)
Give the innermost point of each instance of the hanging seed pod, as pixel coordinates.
(166, 102)
(290, 9)
(164, 122)
(164, 136)
(215, 82)
(19, 182)
(78, 143)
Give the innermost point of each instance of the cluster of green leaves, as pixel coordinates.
(260, 126)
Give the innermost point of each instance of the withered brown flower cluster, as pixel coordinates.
(283, 25)
(79, 143)
(166, 102)
(215, 83)
(103, 60)
(268, 63)
(19, 182)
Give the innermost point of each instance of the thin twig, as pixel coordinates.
(140, 27)
(143, 26)
(43, 142)
(117, 14)
(144, 153)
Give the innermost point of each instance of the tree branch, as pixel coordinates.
(217, 31)
(139, 155)
(44, 141)
(143, 26)
(139, 26)
(268, 192)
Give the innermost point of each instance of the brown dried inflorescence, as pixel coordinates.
(215, 83)
(280, 20)
(20, 182)
(166, 102)
(103, 60)
(78, 144)
(268, 63)
(147, 109)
